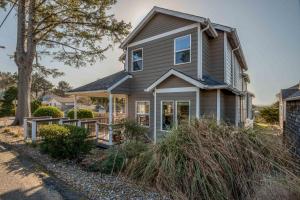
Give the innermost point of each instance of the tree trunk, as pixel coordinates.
(24, 59)
(24, 88)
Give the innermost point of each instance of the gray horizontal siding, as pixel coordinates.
(229, 107)
(174, 82)
(132, 98)
(158, 58)
(205, 54)
(208, 103)
(216, 57)
(159, 24)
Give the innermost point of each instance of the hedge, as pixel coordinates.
(48, 111)
(81, 114)
(62, 141)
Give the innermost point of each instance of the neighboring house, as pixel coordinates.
(289, 114)
(63, 103)
(285, 96)
(178, 67)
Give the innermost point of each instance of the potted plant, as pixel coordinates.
(117, 136)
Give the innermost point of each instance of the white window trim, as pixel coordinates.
(161, 113)
(176, 111)
(136, 102)
(137, 60)
(190, 49)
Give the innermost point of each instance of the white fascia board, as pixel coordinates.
(138, 28)
(179, 75)
(119, 83)
(175, 31)
(177, 90)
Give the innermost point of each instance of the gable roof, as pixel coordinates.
(295, 96)
(107, 83)
(291, 92)
(155, 10)
(232, 33)
(206, 83)
(173, 72)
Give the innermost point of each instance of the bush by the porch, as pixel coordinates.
(64, 141)
(81, 114)
(48, 111)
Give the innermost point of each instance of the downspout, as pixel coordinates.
(233, 66)
(199, 53)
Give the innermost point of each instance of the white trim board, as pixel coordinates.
(177, 90)
(179, 75)
(185, 28)
(118, 83)
(149, 114)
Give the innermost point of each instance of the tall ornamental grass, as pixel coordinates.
(201, 160)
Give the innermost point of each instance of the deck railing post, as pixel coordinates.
(33, 130)
(110, 118)
(79, 123)
(97, 130)
(25, 125)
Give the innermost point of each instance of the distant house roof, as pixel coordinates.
(291, 92)
(296, 95)
(106, 83)
(48, 98)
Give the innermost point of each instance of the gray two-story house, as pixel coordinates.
(177, 67)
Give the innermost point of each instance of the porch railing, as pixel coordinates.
(99, 127)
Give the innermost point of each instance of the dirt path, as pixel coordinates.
(18, 181)
(21, 179)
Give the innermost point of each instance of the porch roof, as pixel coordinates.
(105, 84)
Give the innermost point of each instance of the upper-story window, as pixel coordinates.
(182, 50)
(137, 60)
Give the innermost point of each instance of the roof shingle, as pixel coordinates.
(103, 83)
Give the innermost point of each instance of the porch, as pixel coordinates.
(107, 123)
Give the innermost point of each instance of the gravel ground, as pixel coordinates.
(93, 185)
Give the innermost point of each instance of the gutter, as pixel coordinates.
(232, 65)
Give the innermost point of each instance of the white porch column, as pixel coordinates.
(25, 125)
(33, 130)
(154, 117)
(197, 103)
(75, 107)
(115, 108)
(110, 117)
(237, 110)
(218, 106)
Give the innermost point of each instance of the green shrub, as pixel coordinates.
(134, 131)
(64, 141)
(7, 107)
(270, 113)
(35, 104)
(81, 114)
(115, 160)
(113, 163)
(133, 148)
(48, 111)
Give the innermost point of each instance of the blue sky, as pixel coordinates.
(269, 31)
